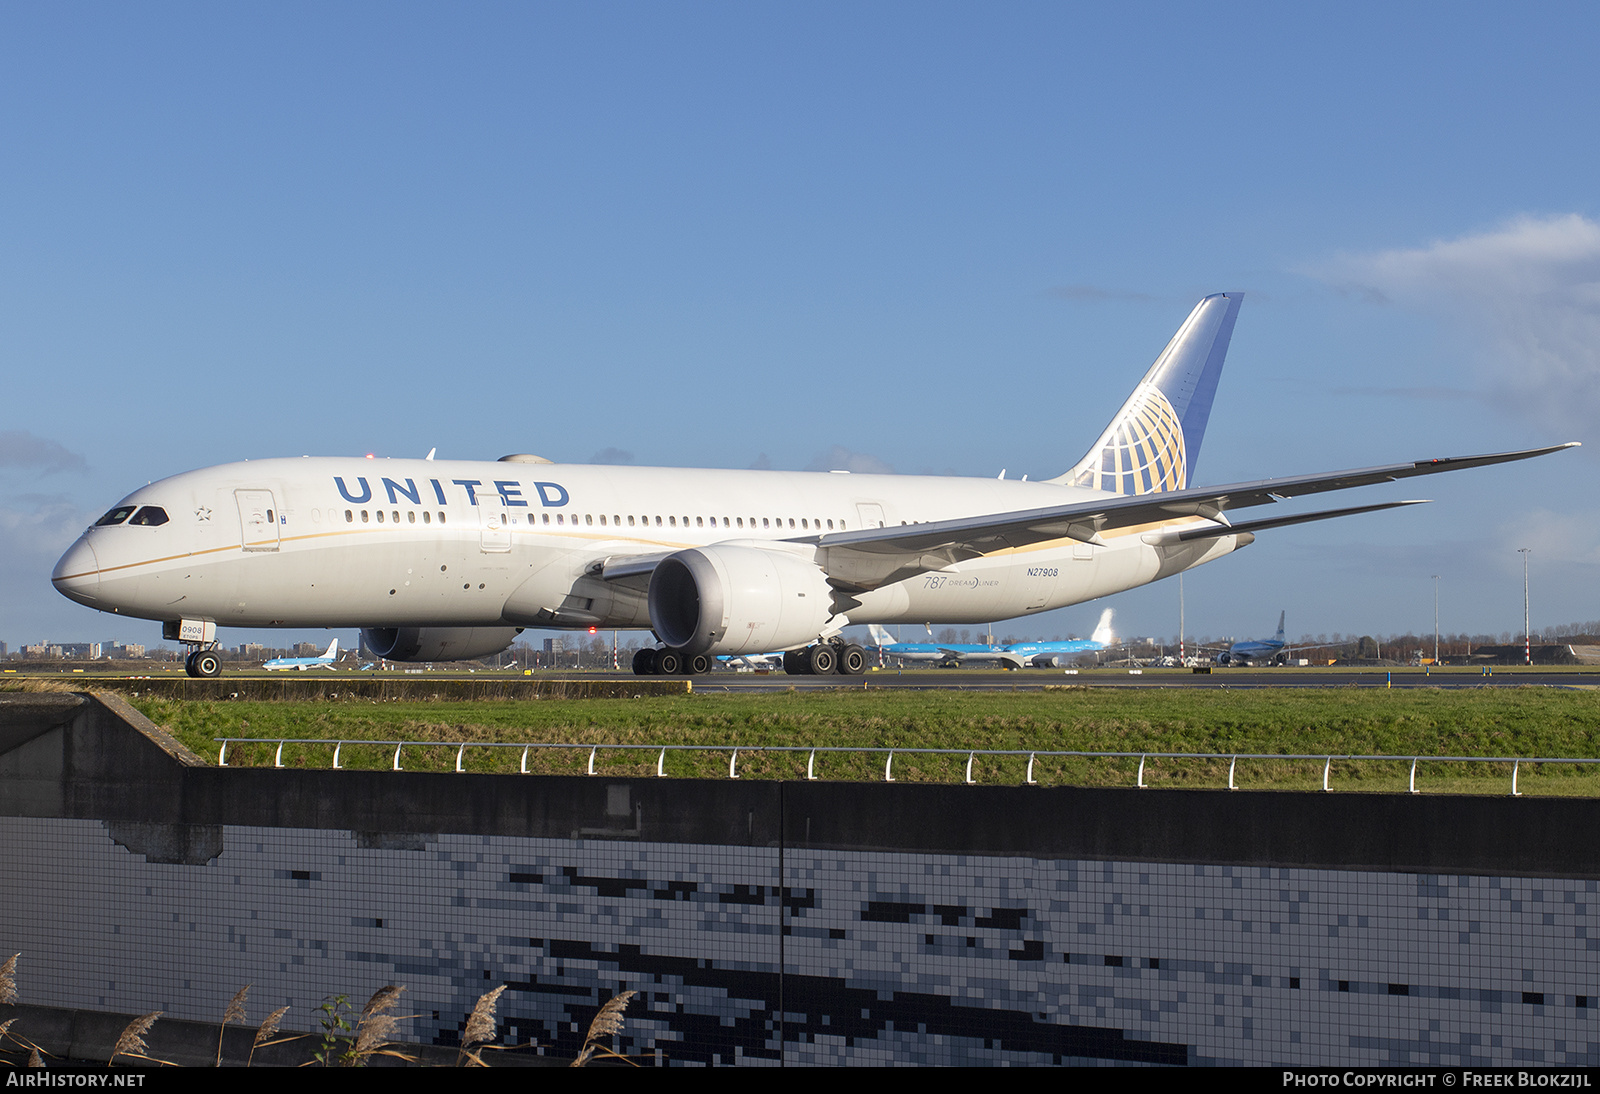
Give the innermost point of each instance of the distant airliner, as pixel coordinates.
(1014, 655)
(326, 661)
(1274, 649)
(1258, 649)
(440, 561)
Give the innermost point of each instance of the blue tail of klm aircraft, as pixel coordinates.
(1151, 445)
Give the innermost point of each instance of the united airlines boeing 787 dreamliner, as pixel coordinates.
(445, 560)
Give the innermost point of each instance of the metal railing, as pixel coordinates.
(889, 754)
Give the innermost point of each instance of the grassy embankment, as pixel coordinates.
(1478, 722)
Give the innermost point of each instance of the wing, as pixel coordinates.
(876, 556)
(631, 571)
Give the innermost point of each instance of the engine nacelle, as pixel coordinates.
(437, 643)
(731, 600)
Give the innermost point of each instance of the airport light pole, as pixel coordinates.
(1180, 620)
(1527, 638)
(1435, 619)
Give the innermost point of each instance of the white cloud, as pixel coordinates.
(1527, 295)
(21, 449)
(34, 530)
(40, 527)
(1553, 537)
(840, 458)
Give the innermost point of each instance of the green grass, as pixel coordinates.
(1477, 722)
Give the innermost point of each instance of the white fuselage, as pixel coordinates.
(337, 542)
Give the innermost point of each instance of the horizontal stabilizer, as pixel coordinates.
(1220, 530)
(868, 557)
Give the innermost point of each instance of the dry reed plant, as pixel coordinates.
(374, 1026)
(234, 1013)
(131, 1043)
(607, 1021)
(268, 1030)
(480, 1028)
(8, 997)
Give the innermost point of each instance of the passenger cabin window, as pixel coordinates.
(116, 516)
(349, 517)
(152, 515)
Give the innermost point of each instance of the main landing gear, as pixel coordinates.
(670, 663)
(823, 659)
(203, 664)
(826, 659)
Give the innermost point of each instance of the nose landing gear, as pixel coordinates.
(201, 638)
(203, 664)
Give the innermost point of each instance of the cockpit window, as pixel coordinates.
(116, 516)
(150, 516)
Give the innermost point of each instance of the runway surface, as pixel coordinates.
(1036, 679)
(920, 679)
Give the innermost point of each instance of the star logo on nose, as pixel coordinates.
(203, 513)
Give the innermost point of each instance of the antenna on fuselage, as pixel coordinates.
(431, 451)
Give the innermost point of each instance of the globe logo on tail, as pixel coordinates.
(1142, 452)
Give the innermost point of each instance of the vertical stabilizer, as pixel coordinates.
(1102, 633)
(1151, 445)
(1279, 636)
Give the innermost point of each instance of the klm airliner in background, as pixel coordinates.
(438, 560)
(326, 661)
(1013, 655)
(1256, 649)
(1273, 650)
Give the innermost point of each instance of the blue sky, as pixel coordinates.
(927, 237)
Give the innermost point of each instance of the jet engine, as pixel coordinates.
(731, 600)
(437, 643)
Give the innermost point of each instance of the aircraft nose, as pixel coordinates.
(77, 575)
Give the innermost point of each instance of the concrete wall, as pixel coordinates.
(803, 922)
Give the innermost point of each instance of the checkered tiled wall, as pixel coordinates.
(884, 957)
